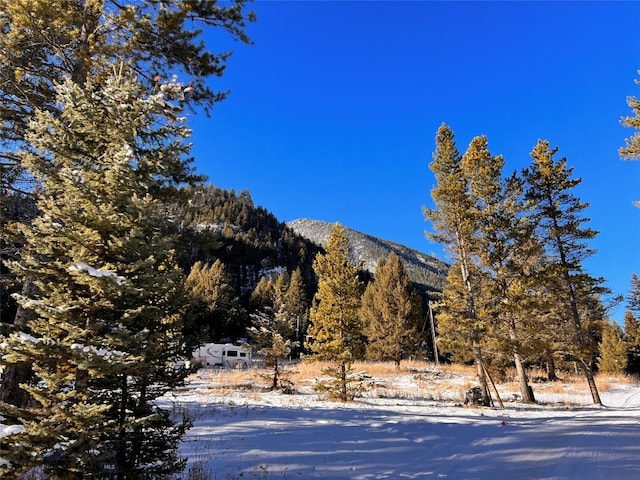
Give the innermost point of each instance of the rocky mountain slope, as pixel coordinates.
(428, 273)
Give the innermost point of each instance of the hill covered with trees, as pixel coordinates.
(426, 272)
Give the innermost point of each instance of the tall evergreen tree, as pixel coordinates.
(295, 306)
(456, 222)
(44, 41)
(391, 312)
(632, 326)
(633, 299)
(631, 150)
(335, 326)
(613, 350)
(508, 254)
(215, 305)
(272, 329)
(109, 302)
(558, 216)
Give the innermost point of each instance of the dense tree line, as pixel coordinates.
(518, 288)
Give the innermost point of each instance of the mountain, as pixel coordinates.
(426, 272)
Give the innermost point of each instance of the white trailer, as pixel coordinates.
(223, 355)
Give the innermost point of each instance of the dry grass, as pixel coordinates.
(413, 379)
(606, 381)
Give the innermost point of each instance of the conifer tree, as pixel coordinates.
(272, 329)
(508, 256)
(632, 326)
(215, 305)
(391, 312)
(456, 222)
(631, 150)
(613, 350)
(558, 216)
(107, 335)
(44, 41)
(633, 298)
(335, 326)
(295, 306)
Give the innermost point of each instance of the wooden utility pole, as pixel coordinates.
(436, 357)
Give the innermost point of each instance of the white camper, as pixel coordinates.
(223, 355)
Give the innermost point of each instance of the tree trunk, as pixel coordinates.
(343, 382)
(10, 391)
(550, 366)
(16, 373)
(274, 384)
(436, 358)
(477, 351)
(592, 383)
(525, 389)
(495, 389)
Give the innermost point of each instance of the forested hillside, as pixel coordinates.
(248, 239)
(426, 272)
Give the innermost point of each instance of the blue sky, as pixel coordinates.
(333, 111)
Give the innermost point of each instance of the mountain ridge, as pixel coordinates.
(428, 273)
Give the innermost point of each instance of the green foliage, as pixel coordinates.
(391, 312)
(109, 302)
(631, 150)
(613, 350)
(46, 41)
(273, 328)
(457, 220)
(295, 306)
(335, 326)
(456, 328)
(214, 305)
(632, 326)
(218, 225)
(342, 383)
(633, 299)
(558, 217)
(573, 295)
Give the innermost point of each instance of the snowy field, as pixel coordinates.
(409, 426)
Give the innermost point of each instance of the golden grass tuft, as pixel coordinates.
(414, 379)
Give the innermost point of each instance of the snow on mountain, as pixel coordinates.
(427, 272)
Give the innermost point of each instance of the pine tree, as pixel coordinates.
(272, 329)
(508, 254)
(456, 221)
(631, 150)
(335, 326)
(613, 350)
(214, 303)
(632, 326)
(455, 329)
(45, 41)
(295, 306)
(633, 299)
(557, 213)
(108, 332)
(391, 312)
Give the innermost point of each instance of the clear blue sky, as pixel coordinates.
(333, 111)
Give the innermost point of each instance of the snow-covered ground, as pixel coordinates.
(405, 430)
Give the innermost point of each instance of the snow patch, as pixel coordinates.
(94, 272)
